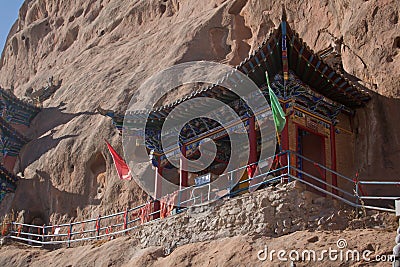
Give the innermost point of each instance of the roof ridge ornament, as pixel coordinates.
(284, 17)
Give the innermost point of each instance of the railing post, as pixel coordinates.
(19, 230)
(157, 191)
(98, 227)
(357, 195)
(29, 235)
(43, 233)
(178, 203)
(69, 234)
(11, 227)
(209, 192)
(126, 220)
(288, 164)
(230, 186)
(183, 177)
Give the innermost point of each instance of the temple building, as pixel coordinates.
(16, 112)
(319, 103)
(16, 116)
(7, 182)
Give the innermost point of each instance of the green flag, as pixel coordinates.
(277, 111)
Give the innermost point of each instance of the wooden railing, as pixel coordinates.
(120, 223)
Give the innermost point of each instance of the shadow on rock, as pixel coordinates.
(38, 147)
(45, 199)
(50, 118)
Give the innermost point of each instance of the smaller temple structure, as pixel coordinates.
(15, 111)
(11, 140)
(7, 182)
(16, 117)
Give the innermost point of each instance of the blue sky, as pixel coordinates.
(8, 15)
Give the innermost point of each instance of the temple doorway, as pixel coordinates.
(312, 147)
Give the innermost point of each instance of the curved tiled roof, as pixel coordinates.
(306, 64)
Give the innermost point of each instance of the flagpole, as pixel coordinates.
(279, 139)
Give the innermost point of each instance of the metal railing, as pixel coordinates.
(122, 222)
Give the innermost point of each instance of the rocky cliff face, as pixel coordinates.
(102, 51)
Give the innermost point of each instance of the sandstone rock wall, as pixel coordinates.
(102, 50)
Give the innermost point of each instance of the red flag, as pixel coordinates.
(122, 168)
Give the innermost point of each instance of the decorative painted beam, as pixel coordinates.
(14, 110)
(11, 141)
(7, 182)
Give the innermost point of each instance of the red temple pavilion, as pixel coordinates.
(318, 100)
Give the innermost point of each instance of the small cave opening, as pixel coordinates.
(237, 7)
(163, 8)
(394, 17)
(27, 43)
(35, 217)
(97, 164)
(97, 167)
(396, 42)
(71, 168)
(79, 13)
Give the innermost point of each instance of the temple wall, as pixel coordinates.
(273, 212)
(344, 122)
(345, 158)
(344, 139)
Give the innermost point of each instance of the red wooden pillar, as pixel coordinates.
(183, 177)
(252, 140)
(251, 170)
(333, 157)
(157, 190)
(285, 139)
